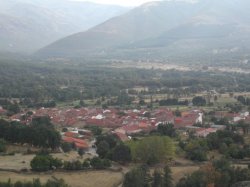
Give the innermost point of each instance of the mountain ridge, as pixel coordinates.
(47, 21)
(163, 29)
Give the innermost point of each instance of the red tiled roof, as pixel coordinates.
(130, 129)
(80, 145)
(121, 136)
(70, 134)
(143, 125)
(183, 122)
(205, 131)
(78, 142)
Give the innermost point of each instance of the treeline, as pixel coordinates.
(220, 173)
(40, 133)
(171, 102)
(93, 163)
(35, 183)
(43, 84)
(244, 100)
(11, 107)
(45, 162)
(141, 177)
(228, 143)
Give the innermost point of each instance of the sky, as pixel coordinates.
(120, 2)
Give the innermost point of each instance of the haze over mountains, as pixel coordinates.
(163, 30)
(28, 25)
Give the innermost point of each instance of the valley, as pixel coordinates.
(97, 94)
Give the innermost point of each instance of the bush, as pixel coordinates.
(199, 101)
(86, 164)
(75, 165)
(2, 146)
(35, 183)
(40, 163)
(66, 147)
(45, 163)
(121, 153)
(98, 163)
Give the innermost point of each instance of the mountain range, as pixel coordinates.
(28, 25)
(164, 30)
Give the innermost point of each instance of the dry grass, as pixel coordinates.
(16, 162)
(73, 155)
(180, 172)
(20, 161)
(74, 179)
(12, 148)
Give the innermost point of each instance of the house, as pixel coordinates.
(203, 132)
(2, 111)
(188, 119)
(79, 143)
(129, 129)
(180, 122)
(164, 116)
(121, 136)
(71, 134)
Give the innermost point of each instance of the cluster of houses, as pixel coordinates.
(233, 117)
(2, 111)
(125, 123)
(78, 138)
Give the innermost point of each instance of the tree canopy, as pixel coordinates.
(152, 149)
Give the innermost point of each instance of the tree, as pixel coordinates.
(166, 130)
(199, 101)
(13, 109)
(55, 183)
(152, 150)
(137, 177)
(45, 162)
(142, 102)
(111, 139)
(81, 103)
(97, 131)
(215, 98)
(121, 153)
(123, 99)
(65, 129)
(35, 183)
(2, 146)
(241, 99)
(40, 163)
(167, 179)
(177, 113)
(196, 179)
(81, 152)
(157, 179)
(86, 164)
(74, 165)
(196, 150)
(98, 163)
(103, 149)
(244, 126)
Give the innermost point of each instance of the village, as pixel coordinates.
(125, 124)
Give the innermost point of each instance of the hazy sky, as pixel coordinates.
(120, 2)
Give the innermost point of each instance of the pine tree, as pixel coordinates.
(157, 179)
(167, 180)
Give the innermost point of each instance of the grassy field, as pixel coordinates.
(74, 179)
(20, 161)
(180, 172)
